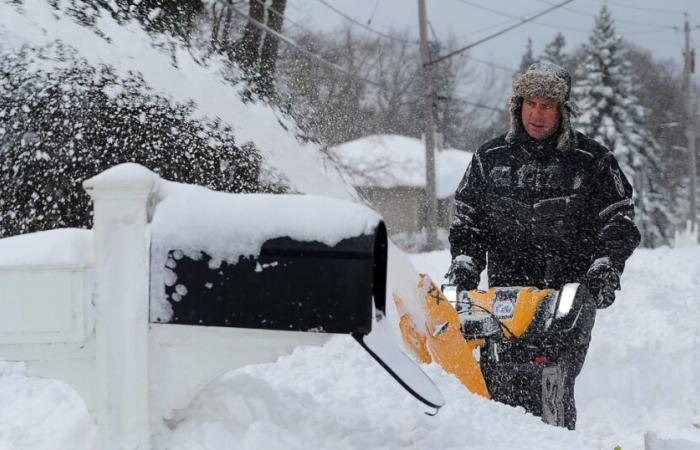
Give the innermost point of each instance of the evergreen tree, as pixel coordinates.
(528, 57)
(553, 52)
(612, 115)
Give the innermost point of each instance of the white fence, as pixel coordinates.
(89, 325)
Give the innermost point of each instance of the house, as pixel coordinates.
(389, 171)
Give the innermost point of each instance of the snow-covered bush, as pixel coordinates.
(63, 121)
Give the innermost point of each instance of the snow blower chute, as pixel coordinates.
(471, 336)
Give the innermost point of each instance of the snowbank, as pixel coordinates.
(641, 376)
(390, 160)
(642, 370)
(41, 414)
(335, 397)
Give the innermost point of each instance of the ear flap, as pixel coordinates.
(515, 108)
(567, 135)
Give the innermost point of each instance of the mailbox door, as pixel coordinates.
(290, 285)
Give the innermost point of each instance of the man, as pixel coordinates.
(545, 205)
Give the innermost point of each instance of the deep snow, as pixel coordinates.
(641, 376)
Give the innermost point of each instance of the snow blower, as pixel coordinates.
(510, 336)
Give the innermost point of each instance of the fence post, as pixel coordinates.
(121, 197)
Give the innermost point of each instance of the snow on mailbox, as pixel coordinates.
(300, 263)
(280, 262)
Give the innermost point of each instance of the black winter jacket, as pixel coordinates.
(542, 215)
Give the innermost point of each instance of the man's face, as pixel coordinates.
(540, 116)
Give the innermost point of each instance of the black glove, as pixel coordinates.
(464, 273)
(602, 279)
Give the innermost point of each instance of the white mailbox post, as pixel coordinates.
(121, 197)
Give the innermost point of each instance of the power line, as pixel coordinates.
(692, 19)
(495, 66)
(283, 16)
(300, 49)
(490, 27)
(640, 8)
(363, 26)
(432, 30)
(319, 58)
(512, 16)
(477, 104)
(298, 8)
(481, 105)
(577, 11)
(371, 17)
(649, 31)
(584, 13)
(482, 61)
(498, 33)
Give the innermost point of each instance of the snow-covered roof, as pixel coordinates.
(390, 160)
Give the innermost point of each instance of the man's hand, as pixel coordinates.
(602, 280)
(464, 273)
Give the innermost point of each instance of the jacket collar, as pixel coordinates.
(537, 148)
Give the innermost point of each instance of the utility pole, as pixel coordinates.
(688, 69)
(430, 196)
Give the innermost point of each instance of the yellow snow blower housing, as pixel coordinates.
(455, 332)
(510, 311)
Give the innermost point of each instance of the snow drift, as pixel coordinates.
(640, 377)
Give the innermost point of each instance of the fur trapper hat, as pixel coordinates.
(546, 80)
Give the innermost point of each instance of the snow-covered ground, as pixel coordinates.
(641, 376)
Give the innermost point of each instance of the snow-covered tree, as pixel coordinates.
(554, 51)
(528, 57)
(612, 115)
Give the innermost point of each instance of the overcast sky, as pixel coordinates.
(648, 23)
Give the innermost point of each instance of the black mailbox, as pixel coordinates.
(291, 285)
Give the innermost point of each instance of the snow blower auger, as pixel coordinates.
(480, 333)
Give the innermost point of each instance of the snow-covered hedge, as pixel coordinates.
(64, 121)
